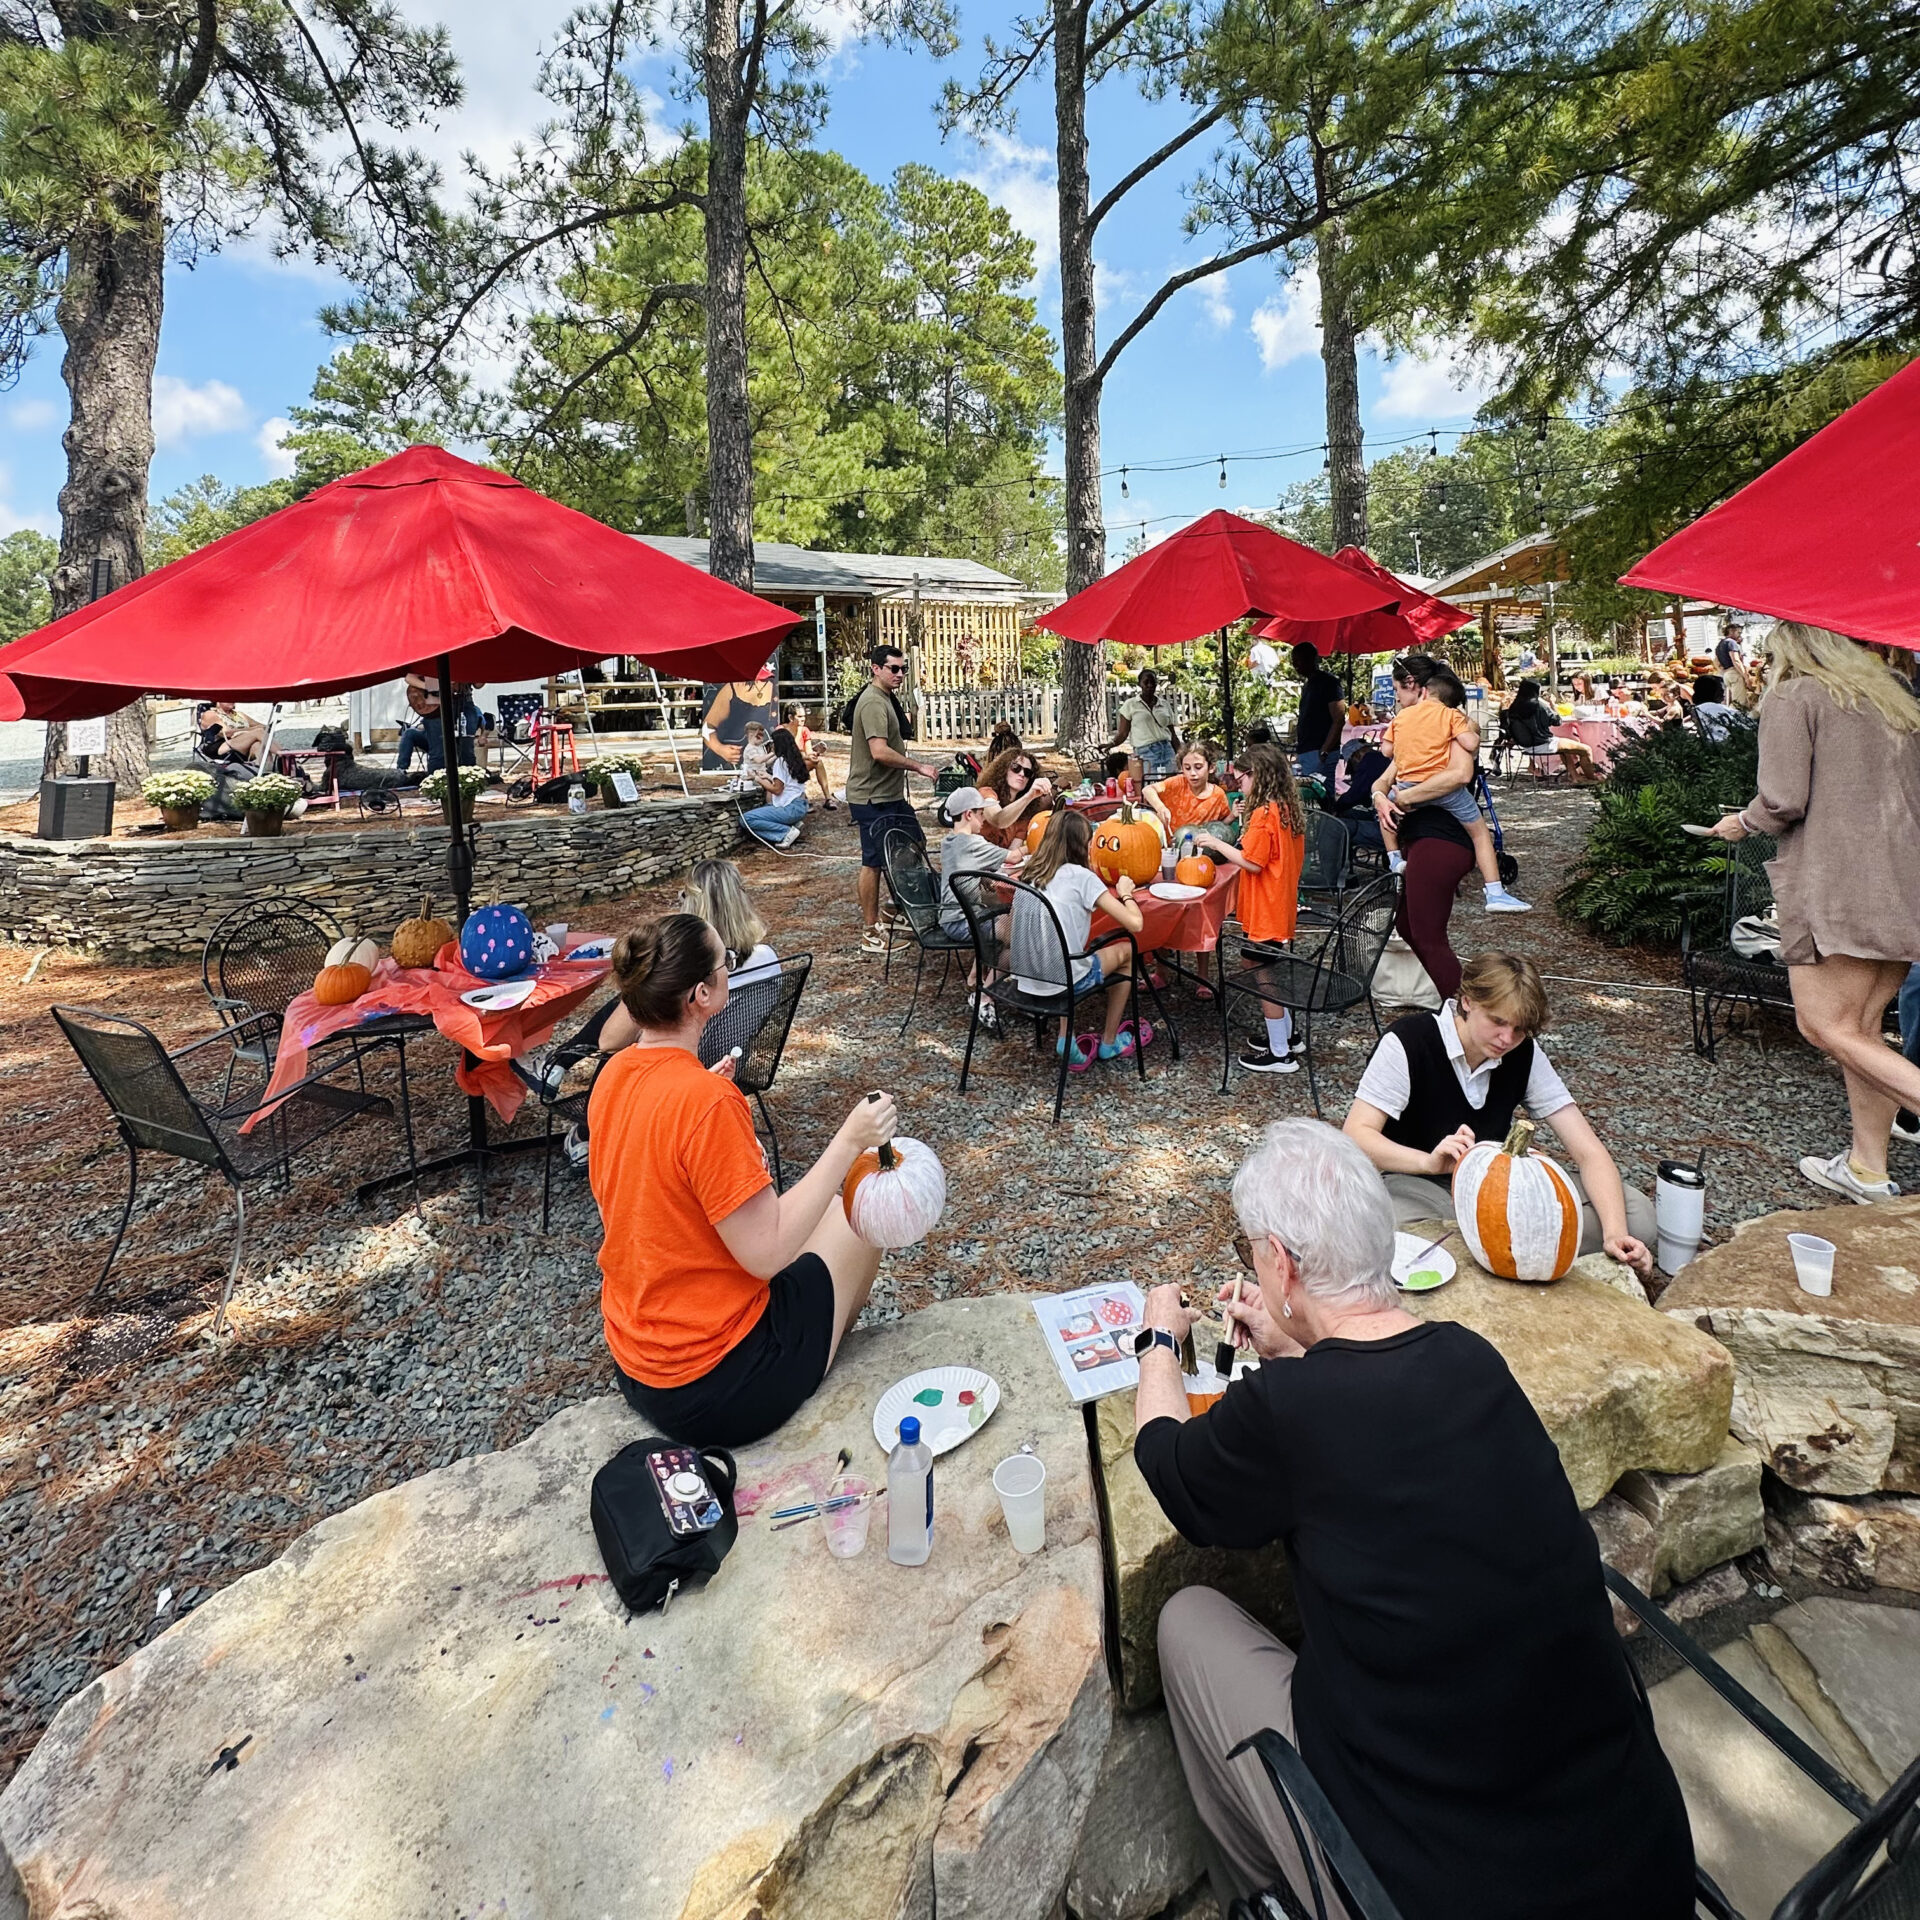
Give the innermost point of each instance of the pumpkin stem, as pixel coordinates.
(426, 906)
(888, 1158)
(1519, 1137)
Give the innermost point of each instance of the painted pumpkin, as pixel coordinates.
(416, 941)
(496, 942)
(1518, 1212)
(354, 953)
(895, 1194)
(1125, 844)
(1036, 827)
(1196, 870)
(342, 981)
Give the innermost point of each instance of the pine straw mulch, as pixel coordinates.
(371, 1346)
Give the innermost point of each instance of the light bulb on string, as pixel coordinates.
(860, 507)
(1033, 487)
(1223, 469)
(1124, 495)
(1433, 443)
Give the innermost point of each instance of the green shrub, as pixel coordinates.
(1638, 871)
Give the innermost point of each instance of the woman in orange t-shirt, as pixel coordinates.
(1189, 799)
(1272, 850)
(724, 1300)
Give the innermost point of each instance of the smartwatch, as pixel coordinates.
(1150, 1337)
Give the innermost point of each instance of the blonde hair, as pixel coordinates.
(719, 896)
(1508, 986)
(1848, 669)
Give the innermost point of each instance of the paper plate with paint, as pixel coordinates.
(1419, 1268)
(952, 1404)
(500, 997)
(1176, 890)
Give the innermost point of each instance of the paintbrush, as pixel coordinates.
(1223, 1353)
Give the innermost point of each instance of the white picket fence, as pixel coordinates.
(1033, 712)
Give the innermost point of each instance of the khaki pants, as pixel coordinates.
(1417, 1196)
(1226, 1677)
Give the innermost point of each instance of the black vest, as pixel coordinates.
(1437, 1104)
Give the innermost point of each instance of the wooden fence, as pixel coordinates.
(960, 644)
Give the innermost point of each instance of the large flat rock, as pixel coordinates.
(1152, 1561)
(1867, 1659)
(1618, 1386)
(1827, 1389)
(1700, 1520)
(436, 1706)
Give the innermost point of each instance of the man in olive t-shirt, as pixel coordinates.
(877, 770)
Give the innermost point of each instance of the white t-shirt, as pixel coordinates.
(1033, 952)
(1388, 1083)
(756, 966)
(790, 788)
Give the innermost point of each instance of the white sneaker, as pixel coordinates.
(1499, 900)
(1396, 862)
(788, 838)
(1906, 1125)
(1838, 1177)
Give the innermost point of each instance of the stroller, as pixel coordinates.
(1482, 791)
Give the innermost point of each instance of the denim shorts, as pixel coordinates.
(1157, 760)
(878, 818)
(1459, 803)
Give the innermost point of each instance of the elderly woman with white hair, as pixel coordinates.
(1460, 1693)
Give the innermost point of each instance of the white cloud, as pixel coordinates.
(1214, 297)
(1440, 384)
(1109, 284)
(1288, 326)
(11, 521)
(280, 462)
(1020, 178)
(182, 411)
(33, 416)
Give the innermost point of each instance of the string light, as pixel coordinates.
(1223, 469)
(1123, 484)
(1033, 484)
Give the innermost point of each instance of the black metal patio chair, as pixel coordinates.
(1871, 1873)
(1333, 979)
(153, 1107)
(1717, 974)
(757, 1018)
(262, 954)
(1326, 873)
(546, 1073)
(983, 898)
(914, 884)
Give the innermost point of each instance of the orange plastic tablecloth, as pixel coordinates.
(493, 1039)
(1179, 926)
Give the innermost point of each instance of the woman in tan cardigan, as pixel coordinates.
(1840, 788)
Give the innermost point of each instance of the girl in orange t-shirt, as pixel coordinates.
(1272, 850)
(724, 1300)
(1189, 799)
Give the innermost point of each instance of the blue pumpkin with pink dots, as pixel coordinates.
(496, 943)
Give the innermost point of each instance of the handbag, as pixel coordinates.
(656, 1543)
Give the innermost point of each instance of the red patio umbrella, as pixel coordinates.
(1201, 580)
(1829, 535)
(1417, 621)
(422, 557)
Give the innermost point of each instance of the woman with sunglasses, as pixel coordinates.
(1016, 789)
(724, 1300)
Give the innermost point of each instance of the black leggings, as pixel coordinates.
(1435, 868)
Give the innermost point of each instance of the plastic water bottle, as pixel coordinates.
(1186, 843)
(910, 1498)
(576, 799)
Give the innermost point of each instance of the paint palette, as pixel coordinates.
(952, 1404)
(1419, 1268)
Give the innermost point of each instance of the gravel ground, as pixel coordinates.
(140, 1470)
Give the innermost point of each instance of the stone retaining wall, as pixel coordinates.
(164, 896)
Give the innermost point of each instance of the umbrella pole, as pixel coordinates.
(1226, 692)
(459, 850)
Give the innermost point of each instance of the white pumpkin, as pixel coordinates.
(1518, 1211)
(895, 1194)
(354, 953)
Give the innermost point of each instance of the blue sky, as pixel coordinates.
(1231, 366)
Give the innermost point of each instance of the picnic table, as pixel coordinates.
(489, 1041)
(1601, 738)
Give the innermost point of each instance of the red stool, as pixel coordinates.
(550, 735)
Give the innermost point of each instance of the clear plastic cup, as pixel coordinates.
(1021, 1482)
(1812, 1262)
(847, 1526)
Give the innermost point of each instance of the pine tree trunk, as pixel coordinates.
(1083, 669)
(109, 314)
(1339, 353)
(729, 429)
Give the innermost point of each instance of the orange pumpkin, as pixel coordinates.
(1518, 1212)
(1125, 844)
(1196, 870)
(337, 985)
(1035, 829)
